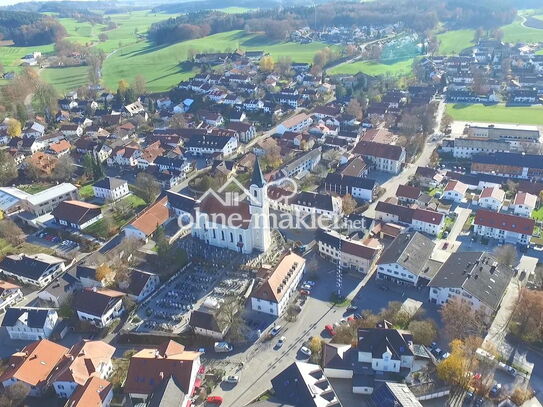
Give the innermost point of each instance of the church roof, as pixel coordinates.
(257, 178)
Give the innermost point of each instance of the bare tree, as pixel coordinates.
(64, 169)
(11, 232)
(461, 321)
(147, 187)
(17, 392)
(8, 168)
(506, 254)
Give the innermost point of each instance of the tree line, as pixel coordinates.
(27, 29)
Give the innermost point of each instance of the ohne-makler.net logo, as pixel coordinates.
(234, 198)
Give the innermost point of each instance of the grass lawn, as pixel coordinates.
(66, 79)
(538, 214)
(498, 113)
(516, 32)
(10, 56)
(161, 65)
(235, 10)
(86, 192)
(393, 67)
(27, 248)
(453, 42)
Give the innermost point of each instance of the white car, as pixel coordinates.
(276, 330)
(281, 341)
(310, 283)
(306, 287)
(305, 351)
(232, 379)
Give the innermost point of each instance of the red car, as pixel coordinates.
(330, 329)
(215, 400)
(304, 292)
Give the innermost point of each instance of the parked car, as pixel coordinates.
(495, 390)
(281, 341)
(310, 283)
(232, 379)
(511, 370)
(445, 355)
(215, 400)
(306, 287)
(304, 292)
(352, 308)
(479, 402)
(276, 330)
(305, 351)
(330, 329)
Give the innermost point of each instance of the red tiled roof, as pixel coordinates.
(153, 217)
(423, 215)
(408, 191)
(510, 223)
(369, 148)
(92, 393)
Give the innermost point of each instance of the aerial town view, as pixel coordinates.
(325, 203)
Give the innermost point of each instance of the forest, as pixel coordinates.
(27, 28)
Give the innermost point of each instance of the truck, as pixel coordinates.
(223, 347)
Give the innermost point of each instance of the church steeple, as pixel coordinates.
(257, 178)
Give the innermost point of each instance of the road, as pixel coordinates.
(409, 170)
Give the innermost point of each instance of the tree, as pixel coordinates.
(104, 273)
(8, 168)
(527, 320)
(11, 232)
(147, 187)
(506, 254)
(355, 108)
(521, 395)
(102, 37)
(424, 332)
(17, 392)
(139, 85)
(315, 346)
(349, 204)
(45, 98)
(14, 128)
(178, 121)
(283, 66)
(453, 369)
(229, 317)
(461, 320)
(272, 156)
(64, 169)
(267, 64)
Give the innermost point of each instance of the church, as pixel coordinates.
(239, 223)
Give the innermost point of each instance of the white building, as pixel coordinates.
(455, 191)
(30, 324)
(475, 278)
(408, 260)
(303, 164)
(274, 294)
(384, 157)
(111, 189)
(504, 228)
(10, 294)
(296, 123)
(524, 204)
(209, 144)
(37, 269)
(44, 201)
(491, 198)
(99, 306)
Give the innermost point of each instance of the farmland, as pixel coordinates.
(518, 32)
(453, 42)
(498, 113)
(161, 65)
(392, 67)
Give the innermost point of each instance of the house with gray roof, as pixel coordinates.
(29, 323)
(37, 269)
(473, 277)
(110, 189)
(408, 260)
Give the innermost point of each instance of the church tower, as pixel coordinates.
(260, 210)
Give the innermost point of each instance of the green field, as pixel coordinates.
(235, 10)
(161, 65)
(516, 32)
(453, 42)
(496, 113)
(394, 67)
(66, 79)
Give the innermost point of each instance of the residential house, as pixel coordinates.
(29, 323)
(475, 278)
(71, 130)
(503, 227)
(468, 147)
(421, 220)
(204, 322)
(491, 198)
(142, 284)
(84, 360)
(394, 395)
(384, 157)
(246, 131)
(381, 355)
(34, 129)
(312, 203)
(302, 164)
(148, 221)
(126, 156)
(209, 145)
(407, 194)
(273, 294)
(428, 177)
(524, 204)
(36, 269)
(455, 191)
(34, 365)
(87, 277)
(180, 205)
(149, 369)
(59, 149)
(111, 189)
(134, 109)
(95, 392)
(352, 254)
(77, 214)
(511, 165)
(302, 384)
(10, 294)
(355, 167)
(297, 123)
(99, 306)
(357, 187)
(408, 260)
